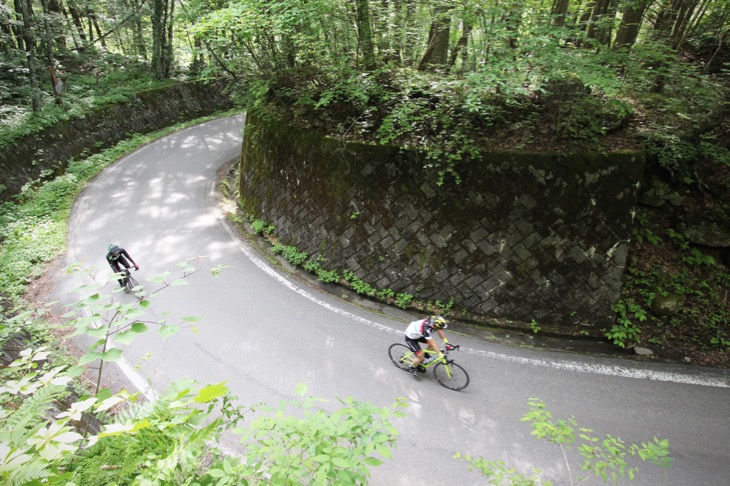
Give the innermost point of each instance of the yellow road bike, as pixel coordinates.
(447, 373)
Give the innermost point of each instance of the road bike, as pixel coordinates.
(447, 373)
(130, 283)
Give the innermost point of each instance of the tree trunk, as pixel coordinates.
(410, 46)
(436, 55)
(559, 11)
(365, 34)
(17, 27)
(76, 16)
(162, 37)
(630, 24)
(8, 36)
(686, 21)
(94, 27)
(26, 7)
(56, 85)
(461, 44)
(139, 41)
(596, 26)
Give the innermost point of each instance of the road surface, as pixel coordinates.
(265, 332)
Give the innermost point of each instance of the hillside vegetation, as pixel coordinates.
(452, 79)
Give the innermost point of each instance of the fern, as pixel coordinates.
(31, 414)
(31, 472)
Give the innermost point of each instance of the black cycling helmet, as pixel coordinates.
(113, 248)
(438, 322)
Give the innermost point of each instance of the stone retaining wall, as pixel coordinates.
(524, 236)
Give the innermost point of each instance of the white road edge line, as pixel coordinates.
(608, 370)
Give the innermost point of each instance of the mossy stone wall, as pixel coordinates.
(524, 236)
(26, 158)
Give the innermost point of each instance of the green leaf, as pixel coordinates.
(89, 358)
(167, 331)
(179, 282)
(371, 461)
(113, 354)
(340, 462)
(211, 392)
(301, 389)
(75, 371)
(383, 451)
(140, 327)
(125, 337)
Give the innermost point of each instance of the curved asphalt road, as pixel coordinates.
(264, 333)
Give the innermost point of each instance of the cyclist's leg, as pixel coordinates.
(419, 355)
(117, 269)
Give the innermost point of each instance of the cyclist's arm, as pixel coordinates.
(124, 252)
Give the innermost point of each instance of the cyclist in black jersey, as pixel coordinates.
(116, 256)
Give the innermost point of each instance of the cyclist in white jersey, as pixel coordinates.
(420, 332)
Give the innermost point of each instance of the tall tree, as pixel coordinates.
(631, 19)
(77, 19)
(559, 11)
(437, 49)
(365, 33)
(49, 42)
(162, 31)
(26, 7)
(601, 21)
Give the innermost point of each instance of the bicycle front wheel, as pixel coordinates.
(451, 375)
(131, 282)
(401, 356)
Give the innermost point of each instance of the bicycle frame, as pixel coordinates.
(439, 359)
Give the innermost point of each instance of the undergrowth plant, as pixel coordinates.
(625, 331)
(604, 458)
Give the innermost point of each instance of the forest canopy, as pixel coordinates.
(451, 77)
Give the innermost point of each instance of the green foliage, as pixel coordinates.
(291, 253)
(534, 326)
(603, 458)
(326, 276)
(403, 300)
(625, 331)
(439, 307)
(262, 227)
(311, 445)
(685, 275)
(161, 442)
(359, 286)
(643, 233)
(498, 473)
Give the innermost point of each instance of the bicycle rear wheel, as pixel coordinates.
(451, 376)
(401, 356)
